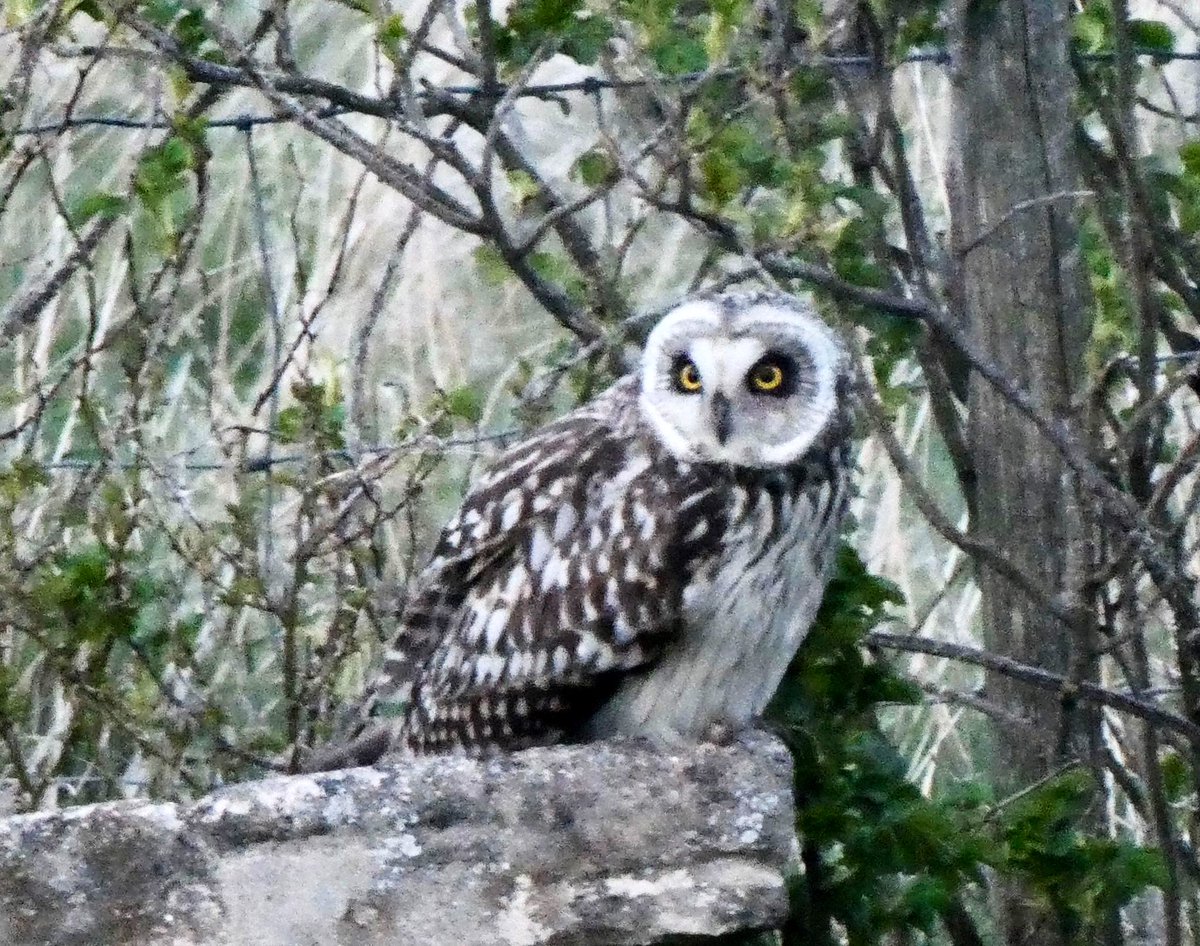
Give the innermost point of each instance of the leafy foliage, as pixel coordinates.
(160, 185)
(1081, 878)
(1095, 25)
(565, 26)
(879, 858)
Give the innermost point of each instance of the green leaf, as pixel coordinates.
(88, 8)
(191, 31)
(721, 180)
(1133, 869)
(390, 709)
(1189, 154)
(161, 12)
(556, 268)
(680, 55)
(392, 33)
(1177, 776)
(100, 204)
(923, 28)
(192, 130)
(289, 424)
(586, 39)
(160, 172)
(1092, 28)
(1152, 35)
(492, 267)
(1032, 816)
(726, 16)
(244, 590)
(465, 402)
(393, 30)
(594, 168)
(22, 477)
(925, 900)
(524, 188)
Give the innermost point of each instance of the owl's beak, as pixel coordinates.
(722, 417)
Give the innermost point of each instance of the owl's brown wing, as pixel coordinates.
(562, 572)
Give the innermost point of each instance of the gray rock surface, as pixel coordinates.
(601, 844)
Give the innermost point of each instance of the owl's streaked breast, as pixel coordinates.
(745, 612)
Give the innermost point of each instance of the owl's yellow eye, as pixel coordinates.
(767, 377)
(687, 377)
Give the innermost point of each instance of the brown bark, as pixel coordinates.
(1021, 292)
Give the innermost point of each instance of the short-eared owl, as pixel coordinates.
(648, 564)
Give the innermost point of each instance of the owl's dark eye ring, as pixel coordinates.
(685, 376)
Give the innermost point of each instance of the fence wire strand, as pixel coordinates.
(591, 86)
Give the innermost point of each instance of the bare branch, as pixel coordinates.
(1067, 689)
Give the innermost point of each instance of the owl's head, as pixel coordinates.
(746, 379)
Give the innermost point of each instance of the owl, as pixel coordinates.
(648, 564)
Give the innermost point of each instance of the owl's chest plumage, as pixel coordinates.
(744, 612)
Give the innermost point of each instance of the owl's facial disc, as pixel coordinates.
(744, 381)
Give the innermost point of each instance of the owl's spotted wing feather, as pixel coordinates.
(562, 573)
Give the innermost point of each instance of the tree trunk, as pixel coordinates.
(1022, 296)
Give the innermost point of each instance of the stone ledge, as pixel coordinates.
(610, 843)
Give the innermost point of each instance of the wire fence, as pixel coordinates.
(591, 85)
